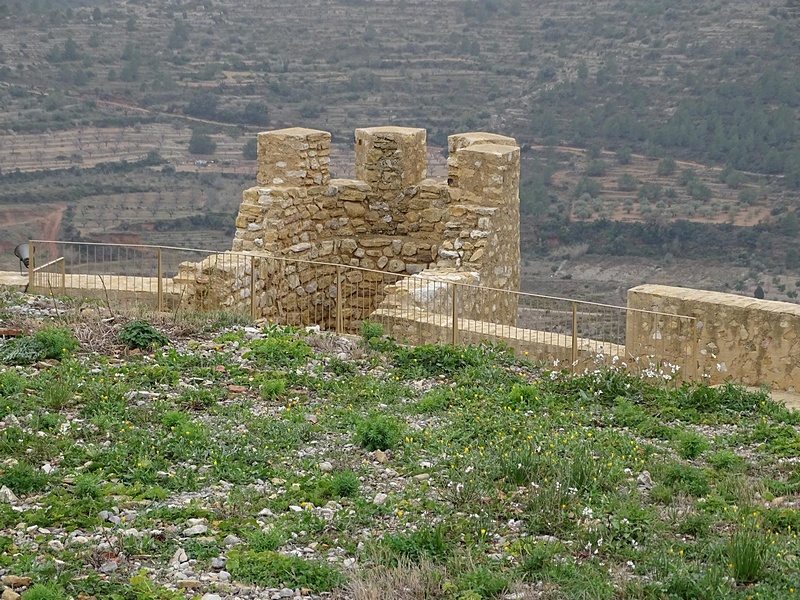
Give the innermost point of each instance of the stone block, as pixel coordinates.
(390, 158)
(284, 160)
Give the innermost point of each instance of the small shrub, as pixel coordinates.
(56, 342)
(345, 484)
(378, 432)
(426, 543)
(10, 384)
(371, 332)
(272, 388)
(691, 445)
(628, 414)
(747, 553)
(698, 524)
(20, 351)
(57, 394)
(174, 418)
(523, 466)
(482, 583)
(47, 422)
(141, 335)
(23, 478)
(266, 541)
(536, 560)
(271, 569)
(340, 367)
(433, 360)
(43, 592)
(726, 461)
(688, 479)
(88, 486)
(197, 399)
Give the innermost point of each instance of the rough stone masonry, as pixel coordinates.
(391, 237)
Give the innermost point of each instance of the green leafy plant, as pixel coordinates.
(691, 445)
(482, 583)
(726, 461)
(41, 591)
(747, 552)
(266, 541)
(429, 543)
(276, 570)
(371, 332)
(272, 388)
(142, 335)
(56, 342)
(279, 352)
(88, 486)
(47, 343)
(345, 484)
(378, 432)
(688, 479)
(23, 478)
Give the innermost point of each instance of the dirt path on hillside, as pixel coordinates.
(126, 106)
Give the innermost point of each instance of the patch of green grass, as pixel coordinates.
(266, 541)
(276, 570)
(272, 388)
(279, 352)
(690, 480)
(691, 445)
(345, 484)
(24, 479)
(88, 485)
(41, 591)
(747, 552)
(481, 583)
(378, 432)
(426, 543)
(727, 462)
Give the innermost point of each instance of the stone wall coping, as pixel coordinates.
(294, 132)
(722, 298)
(391, 129)
(494, 149)
(464, 140)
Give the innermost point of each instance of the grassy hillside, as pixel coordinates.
(711, 87)
(253, 461)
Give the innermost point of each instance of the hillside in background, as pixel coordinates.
(632, 112)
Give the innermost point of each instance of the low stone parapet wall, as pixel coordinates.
(417, 326)
(740, 339)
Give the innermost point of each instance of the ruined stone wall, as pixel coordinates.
(391, 219)
(736, 338)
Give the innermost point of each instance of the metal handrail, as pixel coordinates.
(556, 325)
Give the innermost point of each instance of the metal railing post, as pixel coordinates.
(253, 287)
(339, 312)
(160, 284)
(574, 335)
(695, 357)
(63, 276)
(31, 268)
(455, 315)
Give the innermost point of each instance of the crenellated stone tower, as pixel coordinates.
(391, 218)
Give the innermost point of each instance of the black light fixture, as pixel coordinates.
(22, 253)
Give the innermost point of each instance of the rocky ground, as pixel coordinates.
(229, 460)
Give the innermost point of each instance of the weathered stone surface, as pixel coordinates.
(736, 338)
(390, 218)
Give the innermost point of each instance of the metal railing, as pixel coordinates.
(430, 307)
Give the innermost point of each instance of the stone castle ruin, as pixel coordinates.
(389, 240)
